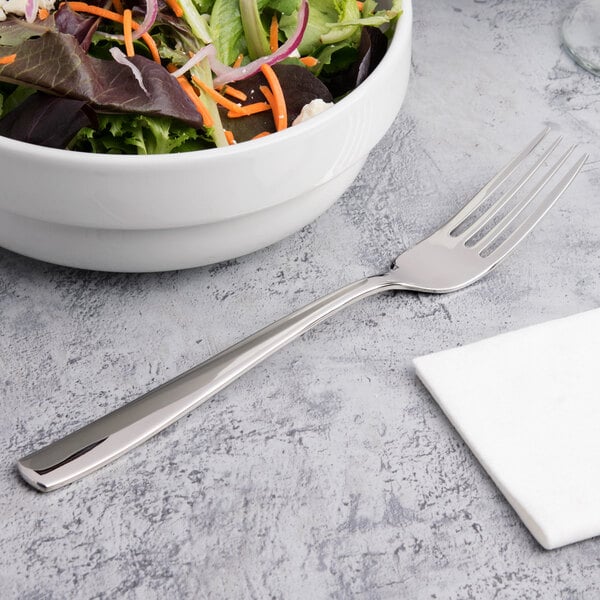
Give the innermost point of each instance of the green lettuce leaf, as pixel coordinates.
(139, 134)
(197, 21)
(204, 7)
(344, 28)
(285, 7)
(373, 18)
(227, 31)
(254, 32)
(320, 14)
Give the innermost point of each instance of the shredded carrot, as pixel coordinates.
(269, 97)
(235, 93)
(200, 106)
(152, 47)
(238, 61)
(186, 86)
(278, 104)
(268, 94)
(175, 7)
(8, 59)
(113, 16)
(43, 14)
(309, 61)
(127, 32)
(219, 98)
(261, 134)
(229, 136)
(360, 5)
(118, 6)
(250, 109)
(274, 34)
(150, 43)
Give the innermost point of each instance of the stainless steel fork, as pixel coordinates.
(462, 251)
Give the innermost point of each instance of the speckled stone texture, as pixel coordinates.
(328, 471)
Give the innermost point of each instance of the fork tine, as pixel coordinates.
(493, 210)
(491, 186)
(492, 235)
(528, 223)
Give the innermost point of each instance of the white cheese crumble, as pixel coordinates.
(311, 109)
(17, 7)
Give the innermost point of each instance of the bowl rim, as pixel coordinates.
(33, 151)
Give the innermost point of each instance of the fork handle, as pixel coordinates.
(102, 441)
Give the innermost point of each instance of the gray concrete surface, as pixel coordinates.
(328, 471)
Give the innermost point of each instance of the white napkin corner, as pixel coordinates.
(527, 403)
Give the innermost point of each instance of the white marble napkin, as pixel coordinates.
(528, 405)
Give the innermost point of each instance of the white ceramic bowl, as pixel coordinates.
(163, 212)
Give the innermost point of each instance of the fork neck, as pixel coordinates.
(369, 286)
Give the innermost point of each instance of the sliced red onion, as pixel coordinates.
(208, 51)
(145, 25)
(31, 10)
(149, 18)
(229, 74)
(119, 57)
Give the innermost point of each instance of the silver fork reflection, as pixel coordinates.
(462, 251)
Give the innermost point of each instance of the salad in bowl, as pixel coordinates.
(156, 136)
(162, 76)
